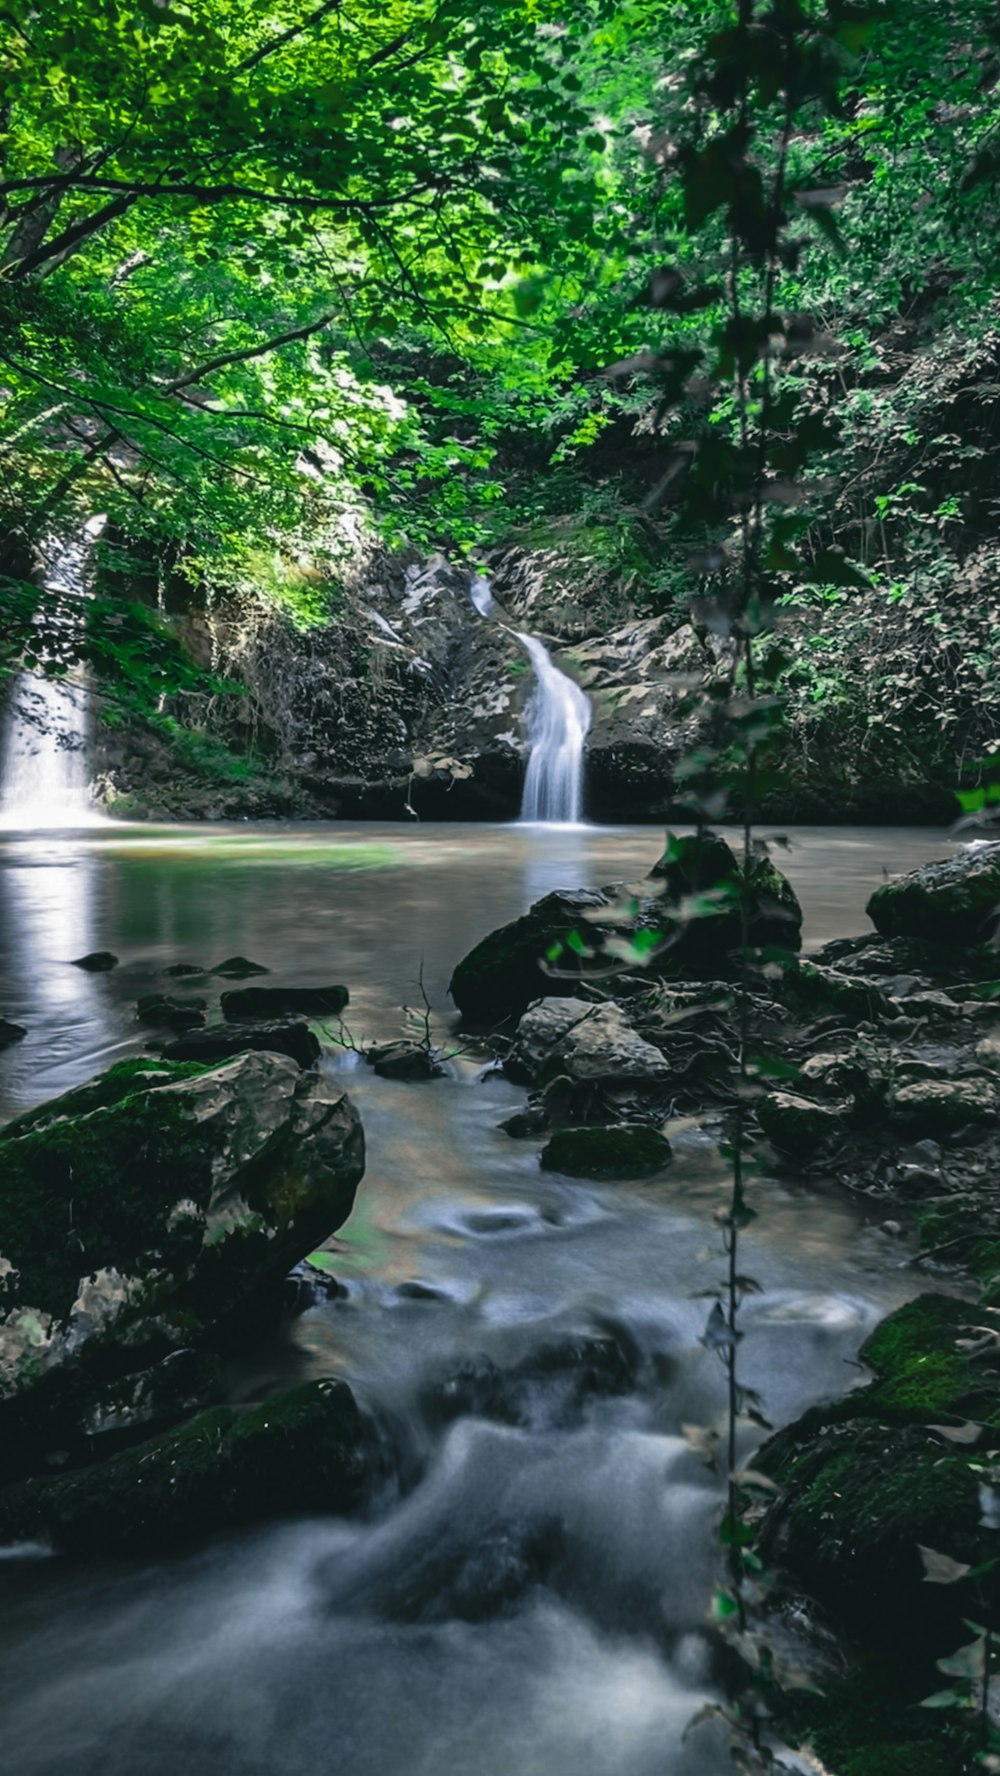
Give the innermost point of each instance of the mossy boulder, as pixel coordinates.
(505, 972)
(308, 1450)
(935, 1107)
(869, 1479)
(153, 1204)
(955, 900)
(797, 1126)
(706, 870)
(628, 1150)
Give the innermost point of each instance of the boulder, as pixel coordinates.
(504, 972)
(625, 1150)
(151, 1207)
(289, 1036)
(271, 1002)
(180, 969)
(551, 1385)
(703, 877)
(953, 901)
(796, 1126)
(96, 962)
(311, 1449)
(581, 1042)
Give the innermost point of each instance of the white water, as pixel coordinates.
(44, 781)
(558, 720)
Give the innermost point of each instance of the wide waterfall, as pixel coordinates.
(558, 719)
(45, 777)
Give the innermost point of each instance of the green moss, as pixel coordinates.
(625, 1151)
(310, 1449)
(109, 1088)
(870, 1726)
(914, 1354)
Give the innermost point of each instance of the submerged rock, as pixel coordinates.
(550, 1386)
(571, 1039)
(308, 1450)
(153, 1204)
(953, 901)
(171, 1014)
(239, 968)
(289, 1036)
(96, 962)
(268, 1002)
(11, 1033)
(628, 1150)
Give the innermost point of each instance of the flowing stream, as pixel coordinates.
(531, 1597)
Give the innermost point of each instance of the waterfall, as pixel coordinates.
(558, 718)
(45, 776)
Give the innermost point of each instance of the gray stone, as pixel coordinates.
(953, 901)
(583, 1043)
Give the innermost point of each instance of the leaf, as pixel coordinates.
(948, 1699)
(964, 1433)
(754, 1480)
(968, 1662)
(718, 1334)
(705, 1443)
(940, 1569)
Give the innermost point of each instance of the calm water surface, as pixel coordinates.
(423, 1642)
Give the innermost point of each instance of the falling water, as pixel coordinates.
(558, 718)
(45, 776)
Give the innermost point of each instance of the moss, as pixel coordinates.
(310, 1449)
(625, 1151)
(870, 1725)
(109, 1088)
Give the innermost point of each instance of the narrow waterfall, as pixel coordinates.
(44, 780)
(558, 719)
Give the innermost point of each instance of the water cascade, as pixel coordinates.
(558, 719)
(45, 776)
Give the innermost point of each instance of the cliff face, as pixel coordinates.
(411, 704)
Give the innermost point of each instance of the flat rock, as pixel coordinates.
(578, 1041)
(404, 1060)
(287, 1036)
(170, 1014)
(270, 1002)
(936, 1106)
(624, 1150)
(239, 968)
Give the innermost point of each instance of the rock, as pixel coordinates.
(938, 1106)
(270, 1002)
(628, 1150)
(97, 962)
(11, 1033)
(308, 1450)
(839, 1074)
(867, 1480)
(502, 974)
(404, 1060)
(171, 1014)
(797, 1126)
(290, 1036)
(186, 1192)
(953, 901)
(693, 867)
(238, 968)
(182, 968)
(550, 1386)
(567, 1037)
(987, 1051)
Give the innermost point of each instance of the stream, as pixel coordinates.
(532, 1597)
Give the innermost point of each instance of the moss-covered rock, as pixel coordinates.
(151, 1205)
(311, 1449)
(953, 901)
(707, 869)
(504, 972)
(934, 1107)
(629, 1150)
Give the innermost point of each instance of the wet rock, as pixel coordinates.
(96, 962)
(308, 1450)
(953, 901)
(857, 997)
(624, 1151)
(404, 1060)
(936, 1107)
(581, 1042)
(11, 1033)
(549, 1387)
(180, 969)
(171, 1014)
(154, 1205)
(271, 1002)
(525, 1123)
(987, 1052)
(289, 1036)
(797, 1126)
(503, 973)
(838, 1074)
(239, 968)
(867, 1480)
